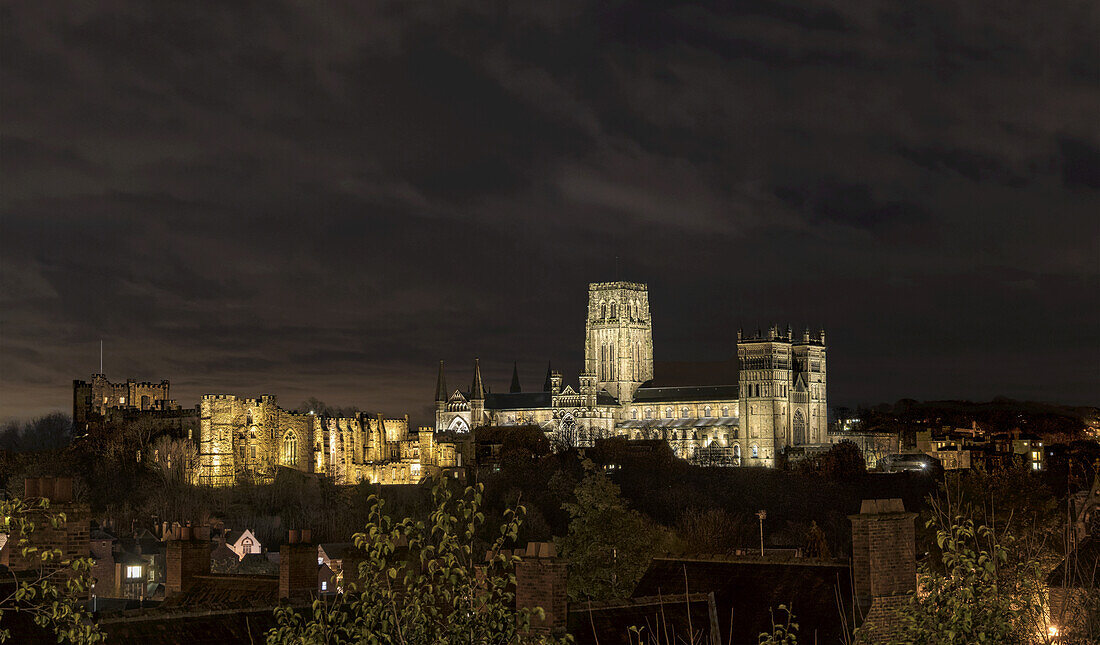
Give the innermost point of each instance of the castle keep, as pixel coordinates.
(776, 400)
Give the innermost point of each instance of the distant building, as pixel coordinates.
(775, 399)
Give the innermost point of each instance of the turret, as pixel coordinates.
(440, 389)
(515, 388)
(477, 398)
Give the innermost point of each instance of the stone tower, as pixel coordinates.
(618, 347)
(809, 415)
(764, 378)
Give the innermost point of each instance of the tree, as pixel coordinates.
(51, 594)
(422, 583)
(968, 602)
(608, 545)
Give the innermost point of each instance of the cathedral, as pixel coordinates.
(776, 400)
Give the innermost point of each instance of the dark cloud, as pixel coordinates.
(323, 201)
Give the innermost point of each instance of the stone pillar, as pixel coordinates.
(540, 582)
(298, 566)
(884, 564)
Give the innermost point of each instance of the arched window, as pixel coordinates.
(290, 449)
(668, 413)
(458, 424)
(737, 451)
(755, 452)
(725, 412)
(603, 310)
(633, 414)
(246, 545)
(648, 413)
(706, 411)
(684, 412)
(612, 308)
(799, 428)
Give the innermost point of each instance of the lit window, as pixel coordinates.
(253, 452)
(246, 545)
(320, 560)
(755, 452)
(324, 585)
(121, 399)
(290, 449)
(133, 571)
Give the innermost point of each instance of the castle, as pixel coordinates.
(777, 399)
(248, 439)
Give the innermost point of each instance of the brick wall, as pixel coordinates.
(298, 568)
(540, 582)
(186, 555)
(884, 564)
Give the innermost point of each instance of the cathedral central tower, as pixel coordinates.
(618, 348)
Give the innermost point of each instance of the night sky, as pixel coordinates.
(277, 197)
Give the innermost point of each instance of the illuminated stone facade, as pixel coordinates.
(247, 439)
(100, 396)
(778, 398)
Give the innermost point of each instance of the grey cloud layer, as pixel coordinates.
(323, 201)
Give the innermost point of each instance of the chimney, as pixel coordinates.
(884, 563)
(187, 555)
(298, 566)
(540, 582)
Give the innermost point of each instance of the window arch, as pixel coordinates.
(725, 412)
(458, 424)
(706, 411)
(668, 413)
(684, 412)
(290, 449)
(634, 414)
(755, 452)
(648, 413)
(799, 428)
(603, 310)
(613, 309)
(246, 545)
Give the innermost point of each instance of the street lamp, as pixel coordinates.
(761, 514)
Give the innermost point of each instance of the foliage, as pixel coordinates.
(783, 633)
(842, 462)
(713, 530)
(52, 593)
(50, 432)
(609, 546)
(967, 602)
(421, 583)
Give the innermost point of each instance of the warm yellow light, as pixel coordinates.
(1053, 631)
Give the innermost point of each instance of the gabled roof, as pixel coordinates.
(1080, 569)
(693, 393)
(609, 623)
(751, 588)
(518, 401)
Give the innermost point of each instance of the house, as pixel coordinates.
(242, 543)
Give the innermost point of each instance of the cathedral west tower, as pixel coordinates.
(618, 347)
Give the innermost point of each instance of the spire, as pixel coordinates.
(441, 385)
(515, 379)
(549, 373)
(477, 389)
